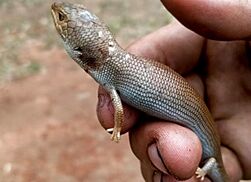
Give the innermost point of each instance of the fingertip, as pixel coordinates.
(181, 151)
(105, 112)
(219, 20)
(232, 164)
(171, 149)
(104, 109)
(156, 159)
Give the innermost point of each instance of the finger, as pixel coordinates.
(167, 147)
(235, 133)
(224, 20)
(232, 164)
(173, 45)
(105, 112)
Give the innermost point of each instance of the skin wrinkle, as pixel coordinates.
(155, 142)
(161, 57)
(168, 170)
(159, 155)
(158, 152)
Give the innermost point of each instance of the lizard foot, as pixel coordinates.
(115, 134)
(200, 174)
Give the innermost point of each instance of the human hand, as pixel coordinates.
(219, 70)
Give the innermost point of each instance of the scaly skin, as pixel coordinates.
(144, 84)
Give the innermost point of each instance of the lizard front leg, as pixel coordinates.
(118, 113)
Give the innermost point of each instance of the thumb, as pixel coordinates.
(221, 20)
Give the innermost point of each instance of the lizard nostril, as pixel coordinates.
(57, 4)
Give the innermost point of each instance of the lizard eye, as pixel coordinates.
(61, 16)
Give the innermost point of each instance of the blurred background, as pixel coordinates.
(48, 125)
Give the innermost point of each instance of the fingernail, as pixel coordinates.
(156, 176)
(156, 158)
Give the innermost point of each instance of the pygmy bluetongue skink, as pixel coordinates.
(144, 84)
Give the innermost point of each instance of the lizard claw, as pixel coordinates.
(200, 174)
(109, 130)
(115, 134)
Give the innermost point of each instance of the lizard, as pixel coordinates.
(144, 84)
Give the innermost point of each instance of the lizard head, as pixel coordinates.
(85, 36)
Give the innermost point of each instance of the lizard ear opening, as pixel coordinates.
(91, 59)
